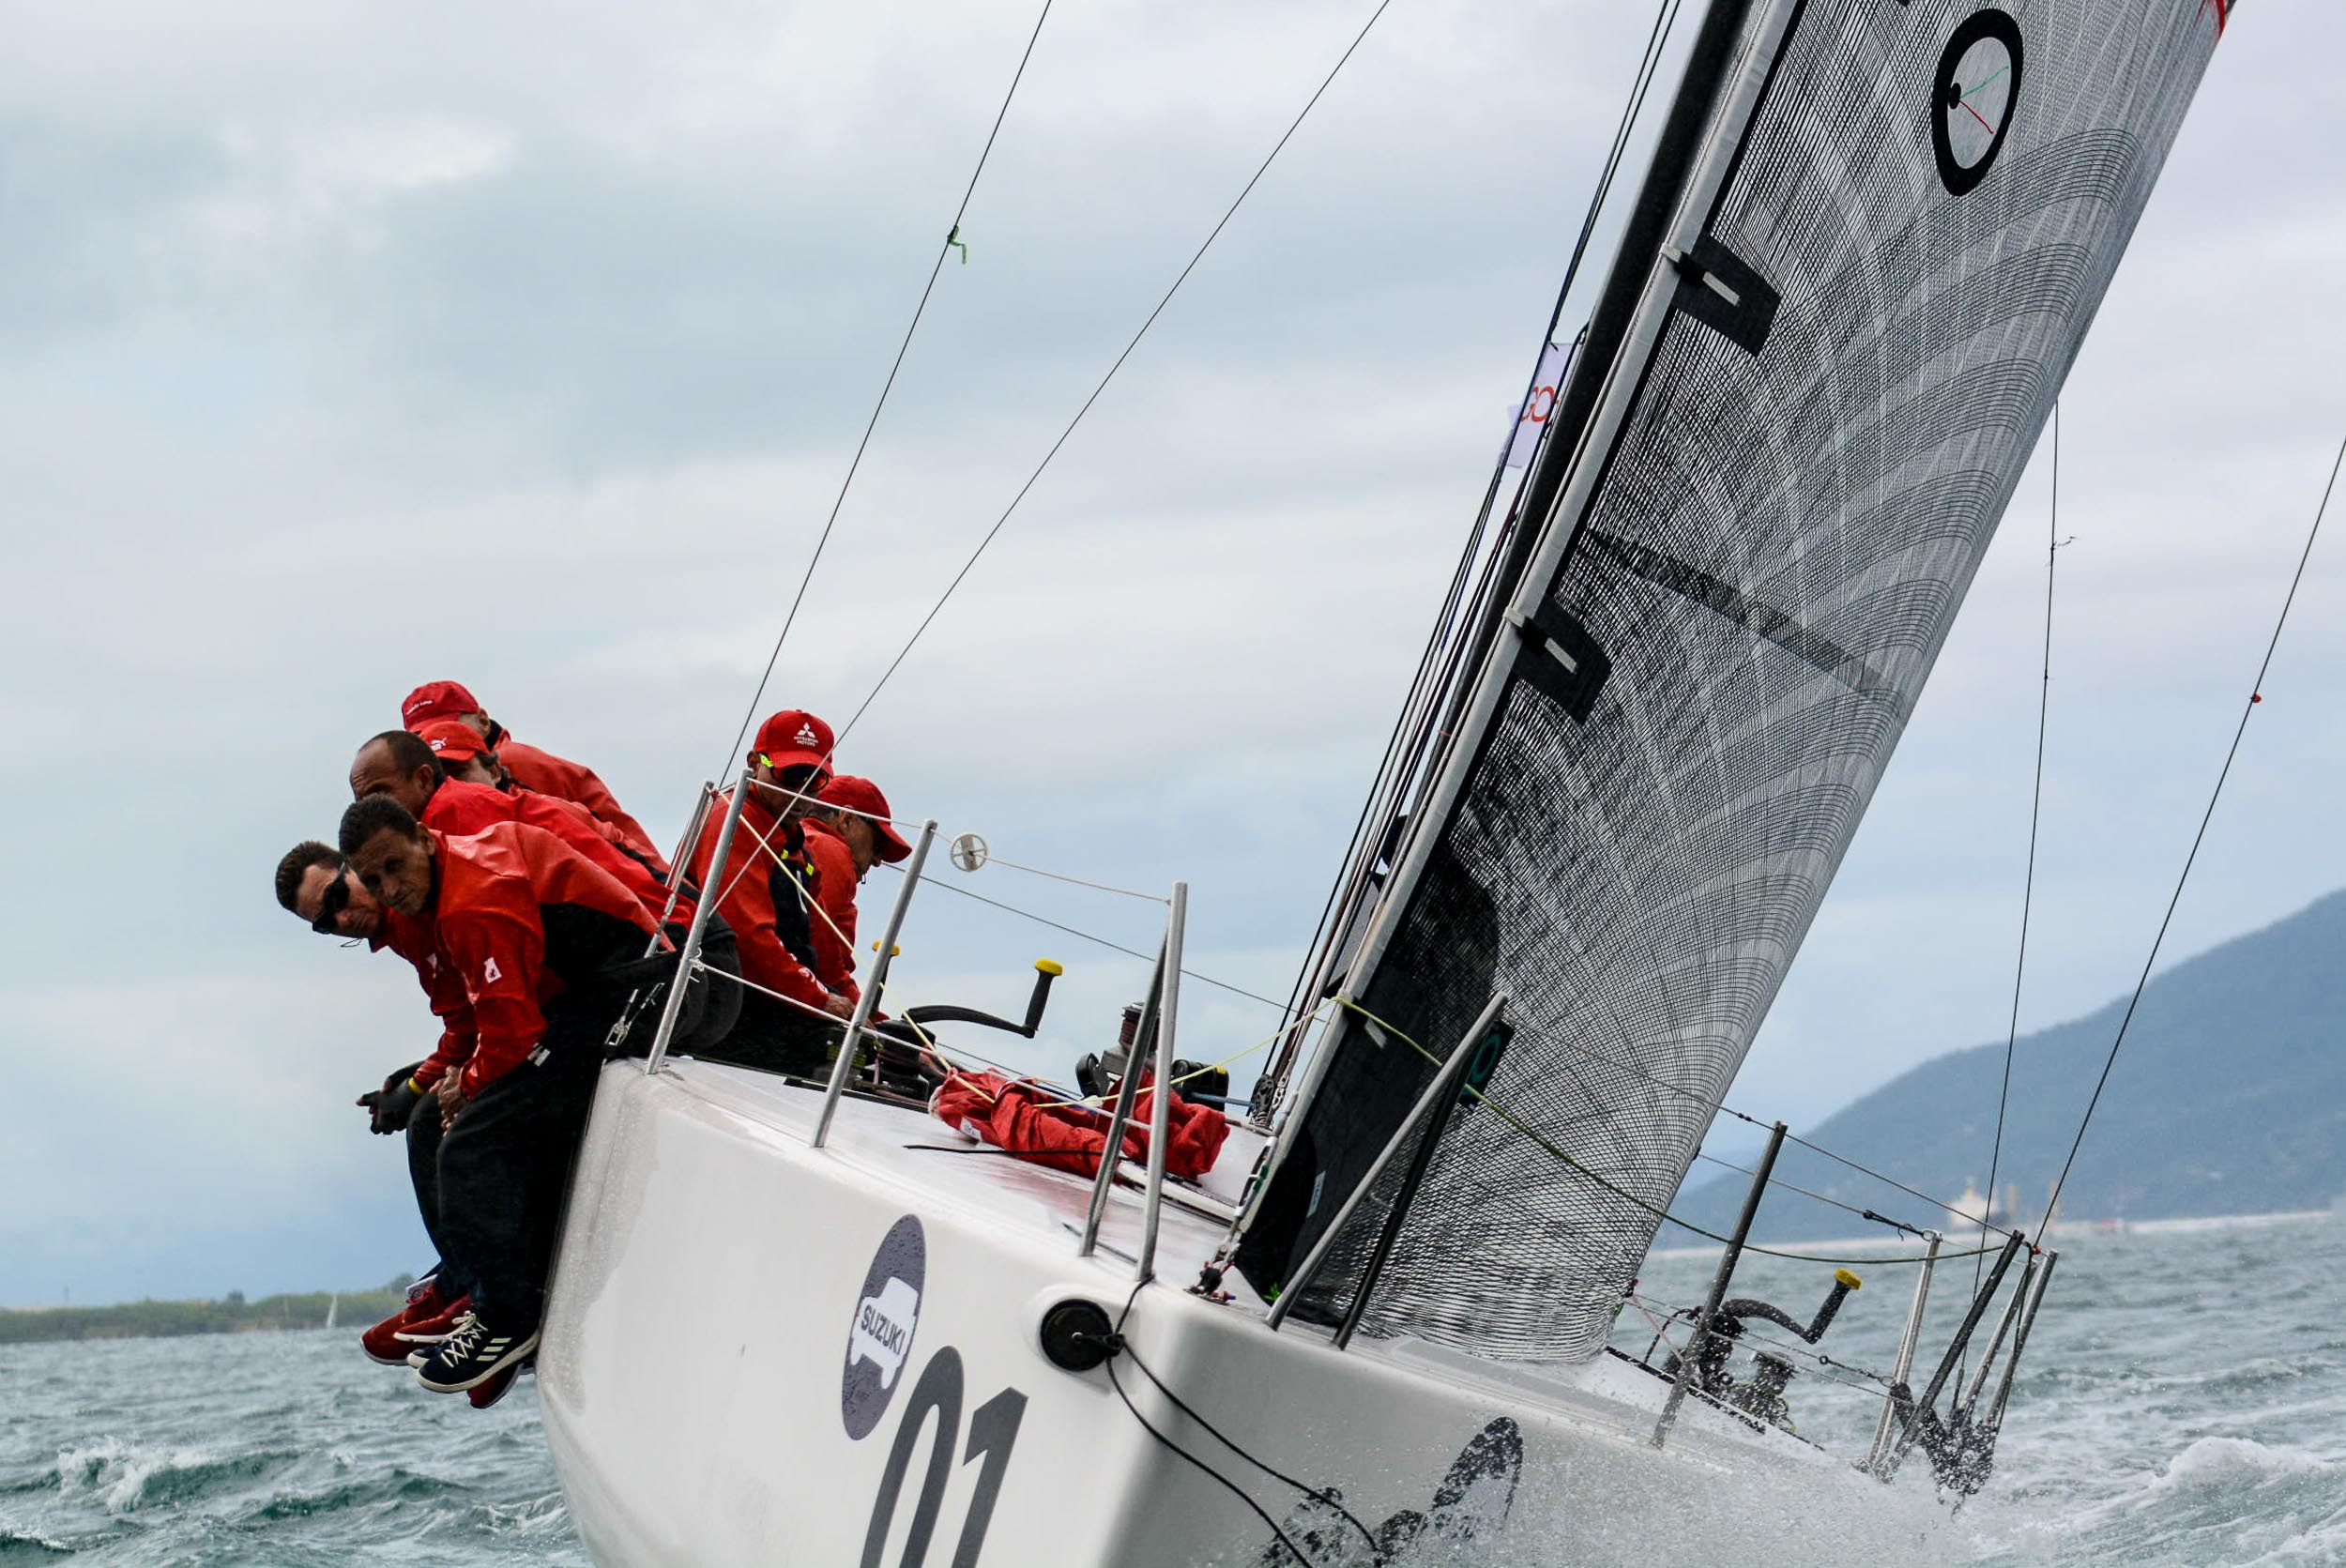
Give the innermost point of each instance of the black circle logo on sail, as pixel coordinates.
(1974, 95)
(879, 1335)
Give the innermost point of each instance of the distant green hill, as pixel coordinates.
(2229, 1098)
(231, 1315)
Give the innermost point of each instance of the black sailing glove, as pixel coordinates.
(389, 1107)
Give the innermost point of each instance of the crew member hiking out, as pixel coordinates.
(846, 835)
(314, 883)
(532, 928)
(404, 766)
(765, 890)
(533, 769)
(467, 758)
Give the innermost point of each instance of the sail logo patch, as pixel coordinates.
(880, 1331)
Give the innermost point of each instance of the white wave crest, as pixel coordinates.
(2224, 1462)
(120, 1476)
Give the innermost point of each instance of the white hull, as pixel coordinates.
(696, 1380)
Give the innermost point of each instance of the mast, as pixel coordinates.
(1871, 242)
(1672, 162)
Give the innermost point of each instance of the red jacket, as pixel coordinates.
(412, 938)
(549, 774)
(1032, 1122)
(758, 894)
(833, 924)
(460, 809)
(491, 893)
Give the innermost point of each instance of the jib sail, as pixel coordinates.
(1825, 381)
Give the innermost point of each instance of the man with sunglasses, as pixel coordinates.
(534, 768)
(768, 891)
(315, 884)
(537, 934)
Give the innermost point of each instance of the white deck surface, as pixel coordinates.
(900, 1144)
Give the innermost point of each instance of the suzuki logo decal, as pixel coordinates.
(879, 1335)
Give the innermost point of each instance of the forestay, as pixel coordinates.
(1888, 255)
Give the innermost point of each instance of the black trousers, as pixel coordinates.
(423, 1174)
(505, 1164)
(775, 1037)
(712, 1005)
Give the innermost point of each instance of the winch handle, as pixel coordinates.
(1046, 970)
(1843, 1283)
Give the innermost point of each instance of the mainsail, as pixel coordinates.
(1811, 410)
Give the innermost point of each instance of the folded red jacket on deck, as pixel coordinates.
(1033, 1123)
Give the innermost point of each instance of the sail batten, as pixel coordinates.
(1844, 349)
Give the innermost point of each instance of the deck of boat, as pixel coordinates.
(710, 1390)
(889, 1142)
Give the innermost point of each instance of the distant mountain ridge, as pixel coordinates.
(2230, 1097)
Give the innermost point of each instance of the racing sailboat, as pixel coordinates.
(786, 1328)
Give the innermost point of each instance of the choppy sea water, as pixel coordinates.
(2184, 1402)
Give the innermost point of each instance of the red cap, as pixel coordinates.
(791, 737)
(452, 739)
(436, 699)
(863, 797)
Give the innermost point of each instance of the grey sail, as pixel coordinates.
(1840, 349)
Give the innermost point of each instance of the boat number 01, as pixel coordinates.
(993, 1430)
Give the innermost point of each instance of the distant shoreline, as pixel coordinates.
(231, 1313)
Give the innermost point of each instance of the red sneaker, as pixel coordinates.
(485, 1395)
(433, 1329)
(382, 1342)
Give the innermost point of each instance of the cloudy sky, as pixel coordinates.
(343, 348)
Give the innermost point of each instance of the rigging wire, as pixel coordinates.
(1098, 941)
(1509, 1117)
(953, 236)
(994, 859)
(2028, 883)
(1720, 1107)
(1821, 1198)
(1167, 299)
(1386, 786)
(2256, 696)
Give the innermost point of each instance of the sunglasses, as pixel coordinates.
(331, 905)
(796, 778)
